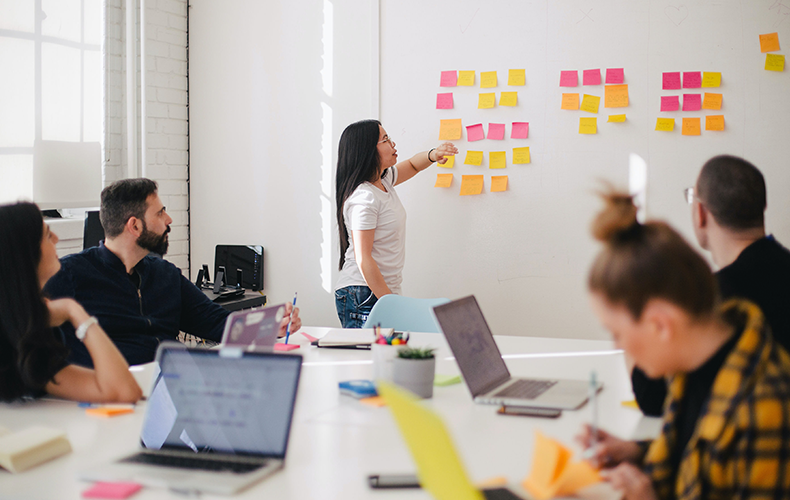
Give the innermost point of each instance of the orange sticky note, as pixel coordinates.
(570, 101)
(615, 96)
(711, 79)
(521, 156)
(588, 125)
(498, 183)
(466, 78)
(497, 159)
(108, 411)
(450, 130)
(553, 473)
(590, 103)
(711, 101)
(508, 99)
(443, 180)
(691, 126)
(473, 158)
(375, 401)
(665, 124)
(449, 163)
(616, 118)
(769, 42)
(774, 62)
(471, 184)
(714, 122)
(487, 79)
(486, 100)
(516, 77)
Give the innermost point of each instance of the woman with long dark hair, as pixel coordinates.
(370, 217)
(32, 352)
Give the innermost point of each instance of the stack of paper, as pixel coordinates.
(25, 449)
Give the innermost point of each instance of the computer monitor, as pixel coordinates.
(248, 258)
(93, 231)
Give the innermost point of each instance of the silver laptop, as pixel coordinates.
(253, 329)
(485, 371)
(217, 421)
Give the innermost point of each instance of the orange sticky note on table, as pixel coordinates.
(516, 77)
(665, 124)
(450, 130)
(616, 118)
(449, 163)
(588, 125)
(590, 103)
(691, 126)
(774, 62)
(570, 101)
(711, 79)
(498, 183)
(486, 100)
(487, 79)
(443, 180)
(769, 42)
(108, 411)
(714, 122)
(473, 158)
(374, 401)
(711, 101)
(615, 96)
(508, 99)
(497, 159)
(553, 473)
(471, 184)
(521, 156)
(466, 78)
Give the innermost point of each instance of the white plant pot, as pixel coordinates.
(416, 375)
(383, 358)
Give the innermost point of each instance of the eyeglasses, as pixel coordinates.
(688, 193)
(387, 139)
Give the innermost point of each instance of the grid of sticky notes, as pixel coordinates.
(615, 95)
(769, 43)
(685, 98)
(488, 154)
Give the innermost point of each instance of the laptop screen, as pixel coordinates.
(211, 401)
(472, 344)
(253, 327)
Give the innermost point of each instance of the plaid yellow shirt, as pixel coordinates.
(740, 447)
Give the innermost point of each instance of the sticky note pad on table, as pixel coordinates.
(714, 123)
(774, 62)
(615, 75)
(671, 81)
(588, 125)
(769, 42)
(111, 490)
(553, 473)
(375, 401)
(471, 184)
(443, 180)
(692, 79)
(615, 96)
(521, 156)
(590, 103)
(450, 130)
(498, 183)
(285, 347)
(516, 77)
(445, 380)
(692, 102)
(466, 78)
(711, 101)
(508, 99)
(109, 411)
(519, 130)
(616, 118)
(475, 132)
(444, 100)
(569, 78)
(496, 131)
(591, 77)
(711, 79)
(449, 79)
(486, 100)
(670, 103)
(449, 163)
(665, 124)
(570, 101)
(473, 158)
(497, 159)
(691, 126)
(488, 79)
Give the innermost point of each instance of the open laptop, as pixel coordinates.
(253, 328)
(217, 421)
(485, 371)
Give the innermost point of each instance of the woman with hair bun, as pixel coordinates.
(726, 431)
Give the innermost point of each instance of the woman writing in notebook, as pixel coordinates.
(370, 217)
(32, 352)
(726, 431)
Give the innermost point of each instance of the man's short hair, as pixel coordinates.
(733, 190)
(124, 199)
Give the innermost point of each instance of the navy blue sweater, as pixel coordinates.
(136, 319)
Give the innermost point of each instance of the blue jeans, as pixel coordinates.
(353, 305)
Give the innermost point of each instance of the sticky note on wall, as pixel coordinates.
(570, 101)
(449, 163)
(450, 130)
(498, 183)
(488, 79)
(691, 126)
(714, 122)
(588, 125)
(471, 184)
(615, 75)
(692, 80)
(497, 159)
(591, 77)
(466, 78)
(508, 99)
(473, 158)
(774, 62)
(615, 96)
(444, 101)
(711, 101)
(443, 180)
(516, 77)
(496, 131)
(569, 78)
(665, 124)
(475, 132)
(769, 42)
(616, 119)
(711, 79)
(521, 156)
(519, 130)
(692, 102)
(486, 101)
(448, 79)
(671, 81)
(670, 103)
(590, 103)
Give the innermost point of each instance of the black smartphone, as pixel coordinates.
(529, 411)
(378, 481)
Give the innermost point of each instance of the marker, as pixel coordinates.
(288, 328)
(590, 452)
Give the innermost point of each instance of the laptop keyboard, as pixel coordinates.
(193, 463)
(525, 389)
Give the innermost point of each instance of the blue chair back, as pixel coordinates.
(405, 314)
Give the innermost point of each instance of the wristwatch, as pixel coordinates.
(82, 330)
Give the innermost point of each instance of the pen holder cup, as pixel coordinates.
(383, 357)
(416, 375)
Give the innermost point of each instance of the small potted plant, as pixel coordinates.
(414, 370)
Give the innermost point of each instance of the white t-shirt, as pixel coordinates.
(369, 207)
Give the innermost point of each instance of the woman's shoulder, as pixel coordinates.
(364, 193)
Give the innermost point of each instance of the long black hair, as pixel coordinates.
(358, 161)
(30, 355)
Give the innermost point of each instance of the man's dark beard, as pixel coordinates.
(153, 242)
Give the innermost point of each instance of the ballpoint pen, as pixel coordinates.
(288, 328)
(590, 452)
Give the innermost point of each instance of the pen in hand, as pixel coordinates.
(593, 396)
(288, 328)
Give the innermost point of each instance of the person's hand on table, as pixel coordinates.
(607, 450)
(631, 481)
(444, 149)
(291, 315)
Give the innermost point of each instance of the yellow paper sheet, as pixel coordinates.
(590, 103)
(714, 122)
(711, 79)
(487, 79)
(474, 158)
(521, 156)
(769, 42)
(449, 163)
(615, 96)
(471, 184)
(665, 124)
(497, 159)
(498, 183)
(443, 180)
(466, 78)
(516, 77)
(553, 473)
(616, 118)
(588, 125)
(570, 101)
(450, 130)
(711, 101)
(691, 126)
(486, 101)
(774, 62)
(508, 99)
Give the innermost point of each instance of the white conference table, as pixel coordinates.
(336, 441)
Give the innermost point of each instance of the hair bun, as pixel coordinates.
(617, 216)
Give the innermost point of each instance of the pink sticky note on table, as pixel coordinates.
(670, 103)
(692, 79)
(496, 131)
(285, 347)
(111, 490)
(520, 130)
(615, 75)
(449, 79)
(475, 132)
(672, 81)
(591, 77)
(569, 78)
(444, 101)
(309, 337)
(692, 102)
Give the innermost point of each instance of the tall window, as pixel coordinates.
(50, 82)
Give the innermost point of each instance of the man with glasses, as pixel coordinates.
(727, 211)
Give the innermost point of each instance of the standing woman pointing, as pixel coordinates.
(370, 217)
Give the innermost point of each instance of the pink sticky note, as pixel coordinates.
(449, 79)
(475, 132)
(444, 101)
(569, 78)
(692, 102)
(614, 75)
(285, 347)
(692, 79)
(670, 103)
(520, 130)
(591, 77)
(672, 81)
(111, 490)
(309, 337)
(496, 131)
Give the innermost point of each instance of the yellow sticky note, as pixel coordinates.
(487, 79)
(631, 403)
(616, 118)
(471, 184)
(553, 473)
(473, 158)
(711, 101)
(508, 99)
(570, 101)
(615, 96)
(443, 180)
(521, 156)
(711, 79)
(466, 78)
(588, 125)
(774, 62)
(497, 159)
(516, 77)
(714, 122)
(449, 163)
(486, 101)
(691, 126)
(665, 124)
(498, 183)
(590, 103)
(450, 130)
(769, 42)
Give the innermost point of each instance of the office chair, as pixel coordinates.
(405, 314)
